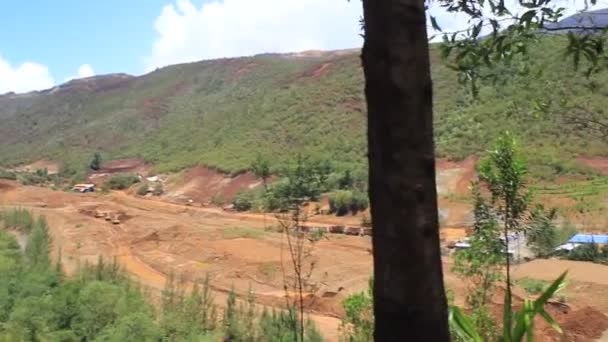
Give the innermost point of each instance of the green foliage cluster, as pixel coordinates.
(589, 252)
(40, 176)
(358, 322)
(95, 162)
(242, 232)
(100, 303)
(342, 202)
(533, 286)
(541, 233)
(18, 218)
(516, 325)
(243, 201)
(142, 190)
(481, 264)
(503, 172)
(304, 179)
(6, 174)
(121, 181)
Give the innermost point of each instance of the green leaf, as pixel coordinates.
(554, 288)
(550, 321)
(435, 24)
(463, 325)
(477, 29)
(527, 17)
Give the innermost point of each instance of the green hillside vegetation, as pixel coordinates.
(220, 113)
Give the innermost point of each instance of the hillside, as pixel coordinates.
(221, 112)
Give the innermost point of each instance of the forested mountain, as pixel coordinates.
(220, 113)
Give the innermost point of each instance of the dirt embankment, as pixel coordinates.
(52, 167)
(201, 185)
(131, 165)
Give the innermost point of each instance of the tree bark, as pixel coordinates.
(409, 297)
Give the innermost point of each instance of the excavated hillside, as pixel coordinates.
(220, 113)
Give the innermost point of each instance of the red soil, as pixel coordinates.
(125, 165)
(597, 163)
(201, 184)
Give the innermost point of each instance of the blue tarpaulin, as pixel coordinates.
(589, 238)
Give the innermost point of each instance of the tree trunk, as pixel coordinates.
(409, 298)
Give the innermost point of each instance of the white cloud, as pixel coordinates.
(84, 71)
(231, 28)
(25, 77)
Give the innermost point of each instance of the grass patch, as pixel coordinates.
(532, 286)
(242, 233)
(269, 270)
(121, 182)
(5, 174)
(18, 218)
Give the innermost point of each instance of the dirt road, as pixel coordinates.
(154, 239)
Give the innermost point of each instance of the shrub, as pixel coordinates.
(359, 202)
(533, 286)
(18, 218)
(585, 252)
(243, 201)
(121, 182)
(339, 202)
(358, 322)
(143, 190)
(158, 189)
(242, 233)
(32, 178)
(342, 202)
(277, 197)
(5, 174)
(95, 162)
(217, 200)
(42, 173)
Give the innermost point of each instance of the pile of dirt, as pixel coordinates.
(201, 184)
(325, 304)
(585, 324)
(6, 186)
(104, 213)
(132, 165)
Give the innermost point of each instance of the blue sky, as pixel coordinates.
(46, 42)
(110, 35)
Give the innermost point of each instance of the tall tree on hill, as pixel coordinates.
(409, 297)
(261, 168)
(96, 162)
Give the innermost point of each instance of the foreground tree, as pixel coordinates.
(409, 297)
